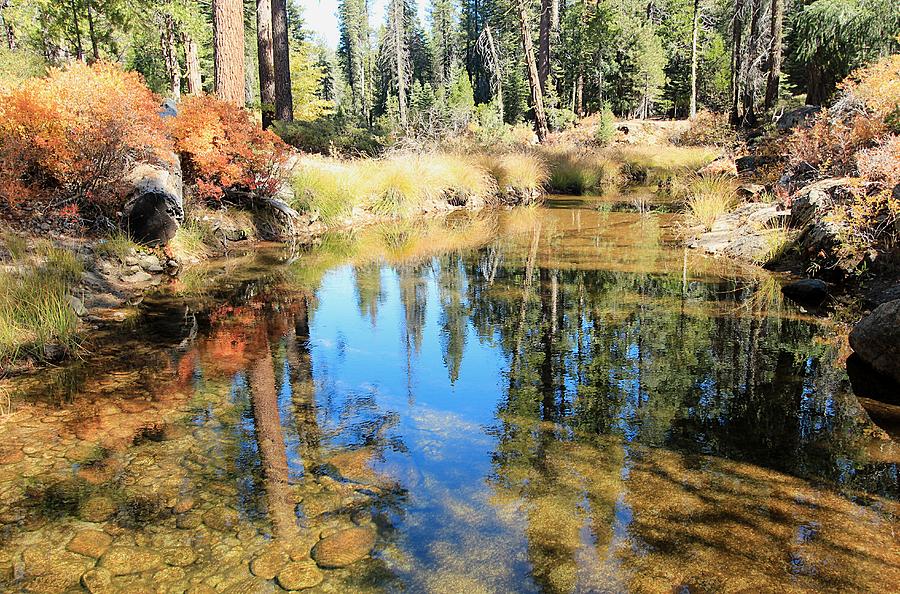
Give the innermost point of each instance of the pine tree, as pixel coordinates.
(228, 44)
(266, 61)
(281, 52)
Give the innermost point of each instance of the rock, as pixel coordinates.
(138, 277)
(750, 191)
(90, 543)
(188, 521)
(251, 585)
(795, 117)
(269, 563)
(97, 581)
(10, 454)
(344, 547)
(221, 518)
(184, 504)
(721, 166)
(180, 556)
(876, 339)
(808, 291)
(121, 560)
(811, 203)
(299, 575)
(168, 109)
(752, 162)
(98, 508)
(77, 306)
(154, 209)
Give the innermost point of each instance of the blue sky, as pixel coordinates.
(321, 17)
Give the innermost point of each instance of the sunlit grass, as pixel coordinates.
(706, 198)
(15, 244)
(34, 303)
(779, 239)
(575, 171)
(517, 171)
(190, 242)
(116, 245)
(329, 188)
(657, 165)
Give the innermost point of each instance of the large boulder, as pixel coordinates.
(797, 117)
(816, 200)
(807, 291)
(876, 339)
(154, 209)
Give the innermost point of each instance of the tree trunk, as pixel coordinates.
(228, 50)
(736, 62)
(749, 91)
(266, 61)
(281, 53)
(579, 92)
(192, 61)
(694, 34)
(79, 50)
(537, 96)
(95, 48)
(8, 30)
(170, 56)
(543, 58)
(774, 79)
(399, 59)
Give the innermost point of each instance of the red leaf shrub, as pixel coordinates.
(73, 134)
(831, 146)
(222, 149)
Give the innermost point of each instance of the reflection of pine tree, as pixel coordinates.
(369, 292)
(454, 314)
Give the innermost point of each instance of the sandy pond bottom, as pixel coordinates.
(539, 400)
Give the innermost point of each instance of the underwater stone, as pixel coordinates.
(269, 563)
(97, 581)
(299, 575)
(98, 508)
(221, 518)
(180, 556)
(344, 547)
(90, 543)
(127, 560)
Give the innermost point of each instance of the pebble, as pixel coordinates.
(221, 518)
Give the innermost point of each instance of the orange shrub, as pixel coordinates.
(223, 149)
(878, 87)
(74, 133)
(831, 146)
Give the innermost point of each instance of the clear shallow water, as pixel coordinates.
(542, 400)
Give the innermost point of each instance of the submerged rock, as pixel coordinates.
(876, 339)
(98, 508)
(97, 581)
(299, 575)
(344, 548)
(119, 560)
(90, 543)
(808, 291)
(269, 563)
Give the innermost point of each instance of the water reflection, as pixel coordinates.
(554, 400)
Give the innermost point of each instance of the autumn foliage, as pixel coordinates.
(72, 135)
(222, 149)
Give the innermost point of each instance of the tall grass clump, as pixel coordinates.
(117, 245)
(34, 304)
(707, 198)
(517, 172)
(579, 172)
(329, 188)
(657, 165)
(779, 240)
(190, 242)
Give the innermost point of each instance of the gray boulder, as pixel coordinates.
(876, 339)
(154, 209)
(809, 291)
(796, 117)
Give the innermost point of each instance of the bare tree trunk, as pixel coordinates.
(95, 48)
(749, 91)
(79, 50)
(170, 56)
(228, 50)
(8, 30)
(537, 96)
(192, 62)
(543, 57)
(281, 52)
(774, 79)
(266, 61)
(736, 62)
(579, 92)
(694, 33)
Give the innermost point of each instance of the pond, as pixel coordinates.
(554, 399)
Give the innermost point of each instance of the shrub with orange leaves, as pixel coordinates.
(831, 146)
(73, 134)
(223, 150)
(878, 87)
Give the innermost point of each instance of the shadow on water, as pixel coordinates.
(536, 400)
